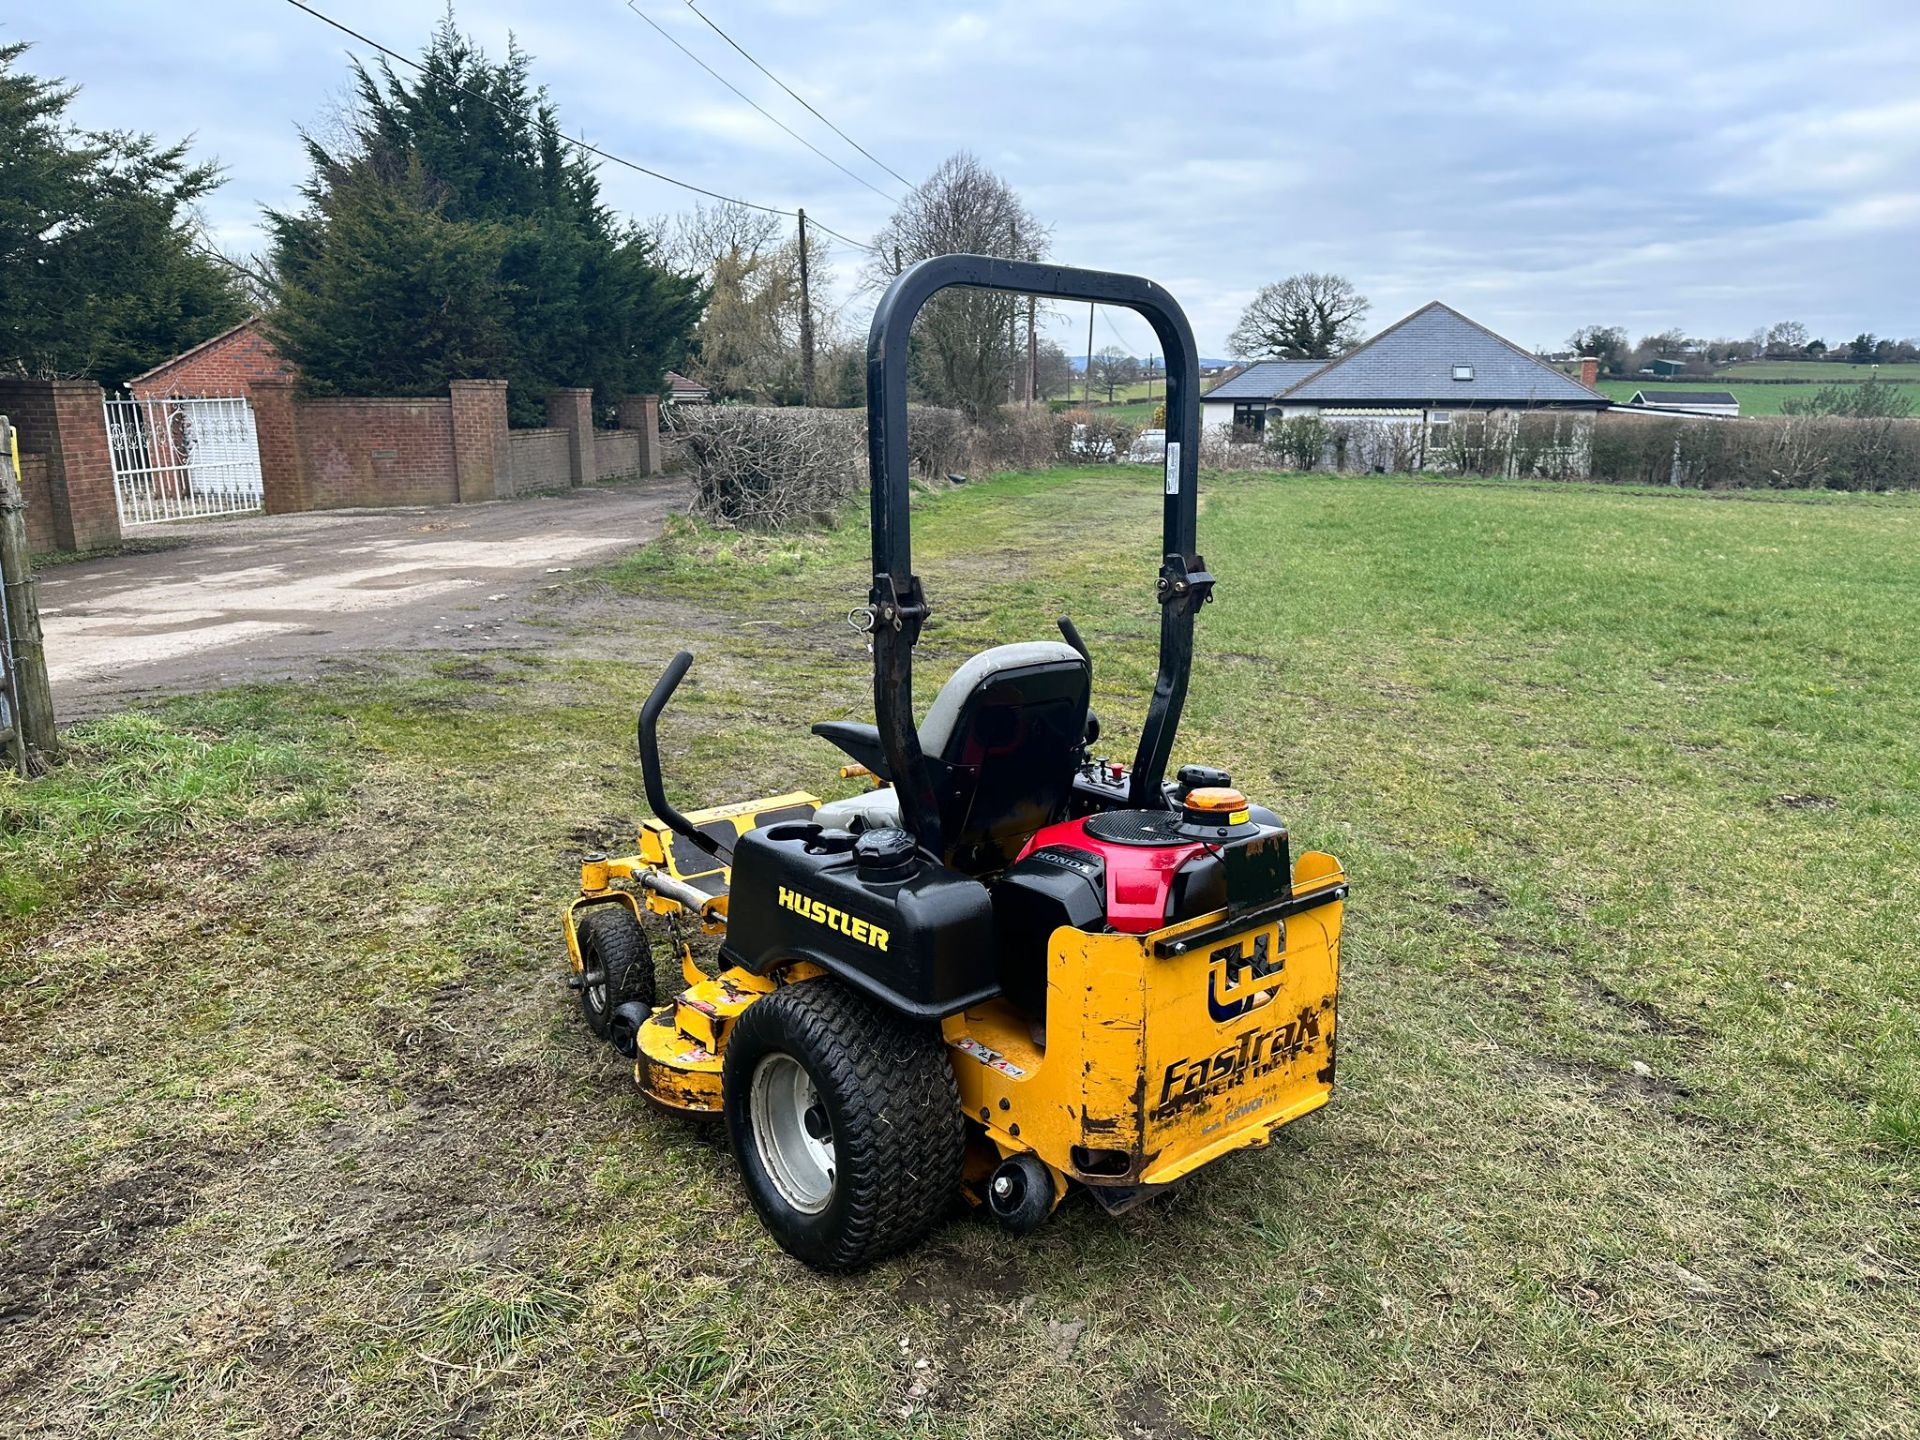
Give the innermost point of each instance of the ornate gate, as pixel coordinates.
(178, 459)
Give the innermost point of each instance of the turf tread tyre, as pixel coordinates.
(899, 1139)
(612, 941)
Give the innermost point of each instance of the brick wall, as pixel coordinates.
(33, 484)
(616, 453)
(62, 423)
(541, 460)
(376, 452)
(229, 364)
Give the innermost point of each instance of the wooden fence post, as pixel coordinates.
(36, 740)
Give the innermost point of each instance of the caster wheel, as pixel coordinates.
(1020, 1194)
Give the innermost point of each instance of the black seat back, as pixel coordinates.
(1004, 738)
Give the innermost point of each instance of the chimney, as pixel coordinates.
(1590, 371)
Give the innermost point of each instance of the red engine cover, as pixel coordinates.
(1139, 877)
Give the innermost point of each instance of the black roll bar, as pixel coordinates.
(899, 604)
(649, 738)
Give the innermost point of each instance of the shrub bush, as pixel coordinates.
(1092, 437)
(771, 469)
(1764, 452)
(1299, 443)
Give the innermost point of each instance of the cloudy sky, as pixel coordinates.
(1712, 166)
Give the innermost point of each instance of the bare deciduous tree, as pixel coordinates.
(1112, 368)
(748, 343)
(964, 349)
(1303, 317)
(1052, 371)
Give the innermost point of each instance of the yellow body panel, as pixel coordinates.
(1139, 1079)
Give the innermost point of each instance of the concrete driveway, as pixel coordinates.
(278, 597)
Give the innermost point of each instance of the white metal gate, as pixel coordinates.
(174, 459)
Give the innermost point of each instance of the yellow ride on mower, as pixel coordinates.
(1015, 968)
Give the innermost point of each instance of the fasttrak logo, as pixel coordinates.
(822, 913)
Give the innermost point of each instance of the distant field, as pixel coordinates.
(1754, 399)
(1133, 412)
(1136, 391)
(1826, 371)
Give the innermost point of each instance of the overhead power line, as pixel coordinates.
(801, 98)
(668, 37)
(581, 145)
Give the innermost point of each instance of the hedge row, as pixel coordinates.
(1783, 452)
(772, 469)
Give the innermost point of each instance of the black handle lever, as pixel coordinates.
(663, 689)
(1071, 633)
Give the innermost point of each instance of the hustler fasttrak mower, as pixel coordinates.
(1013, 967)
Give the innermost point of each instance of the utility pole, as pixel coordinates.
(29, 697)
(1089, 354)
(806, 320)
(1032, 352)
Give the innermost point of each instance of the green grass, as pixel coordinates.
(1754, 399)
(1826, 372)
(301, 1133)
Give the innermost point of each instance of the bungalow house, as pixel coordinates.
(1688, 402)
(683, 391)
(1422, 374)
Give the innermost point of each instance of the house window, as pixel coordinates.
(1249, 420)
(1463, 372)
(1439, 426)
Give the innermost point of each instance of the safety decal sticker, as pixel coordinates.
(992, 1059)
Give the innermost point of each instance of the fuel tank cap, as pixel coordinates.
(885, 854)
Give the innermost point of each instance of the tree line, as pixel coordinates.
(1784, 340)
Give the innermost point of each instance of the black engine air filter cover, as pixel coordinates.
(1137, 827)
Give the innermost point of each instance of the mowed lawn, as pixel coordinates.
(1760, 399)
(299, 1132)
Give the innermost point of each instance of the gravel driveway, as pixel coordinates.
(278, 597)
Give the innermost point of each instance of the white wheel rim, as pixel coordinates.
(792, 1132)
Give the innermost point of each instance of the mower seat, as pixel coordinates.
(1003, 738)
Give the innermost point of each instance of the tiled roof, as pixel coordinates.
(1264, 379)
(1414, 361)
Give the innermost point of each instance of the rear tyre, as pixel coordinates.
(845, 1121)
(616, 965)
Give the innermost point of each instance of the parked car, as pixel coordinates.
(1149, 447)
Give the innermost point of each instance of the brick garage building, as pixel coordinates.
(228, 364)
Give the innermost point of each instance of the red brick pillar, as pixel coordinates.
(63, 422)
(642, 413)
(571, 410)
(482, 464)
(277, 424)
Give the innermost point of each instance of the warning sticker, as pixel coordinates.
(1173, 467)
(992, 1059)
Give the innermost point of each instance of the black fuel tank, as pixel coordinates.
(875, 911)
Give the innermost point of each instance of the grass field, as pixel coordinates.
(1754, 399)
(1826, 372)
(299, 1133)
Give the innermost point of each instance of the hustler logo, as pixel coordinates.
(822, 913)
(1259, 1053)
(1238, 982)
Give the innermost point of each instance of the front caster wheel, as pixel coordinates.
(845, 1121)
(616, 966)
